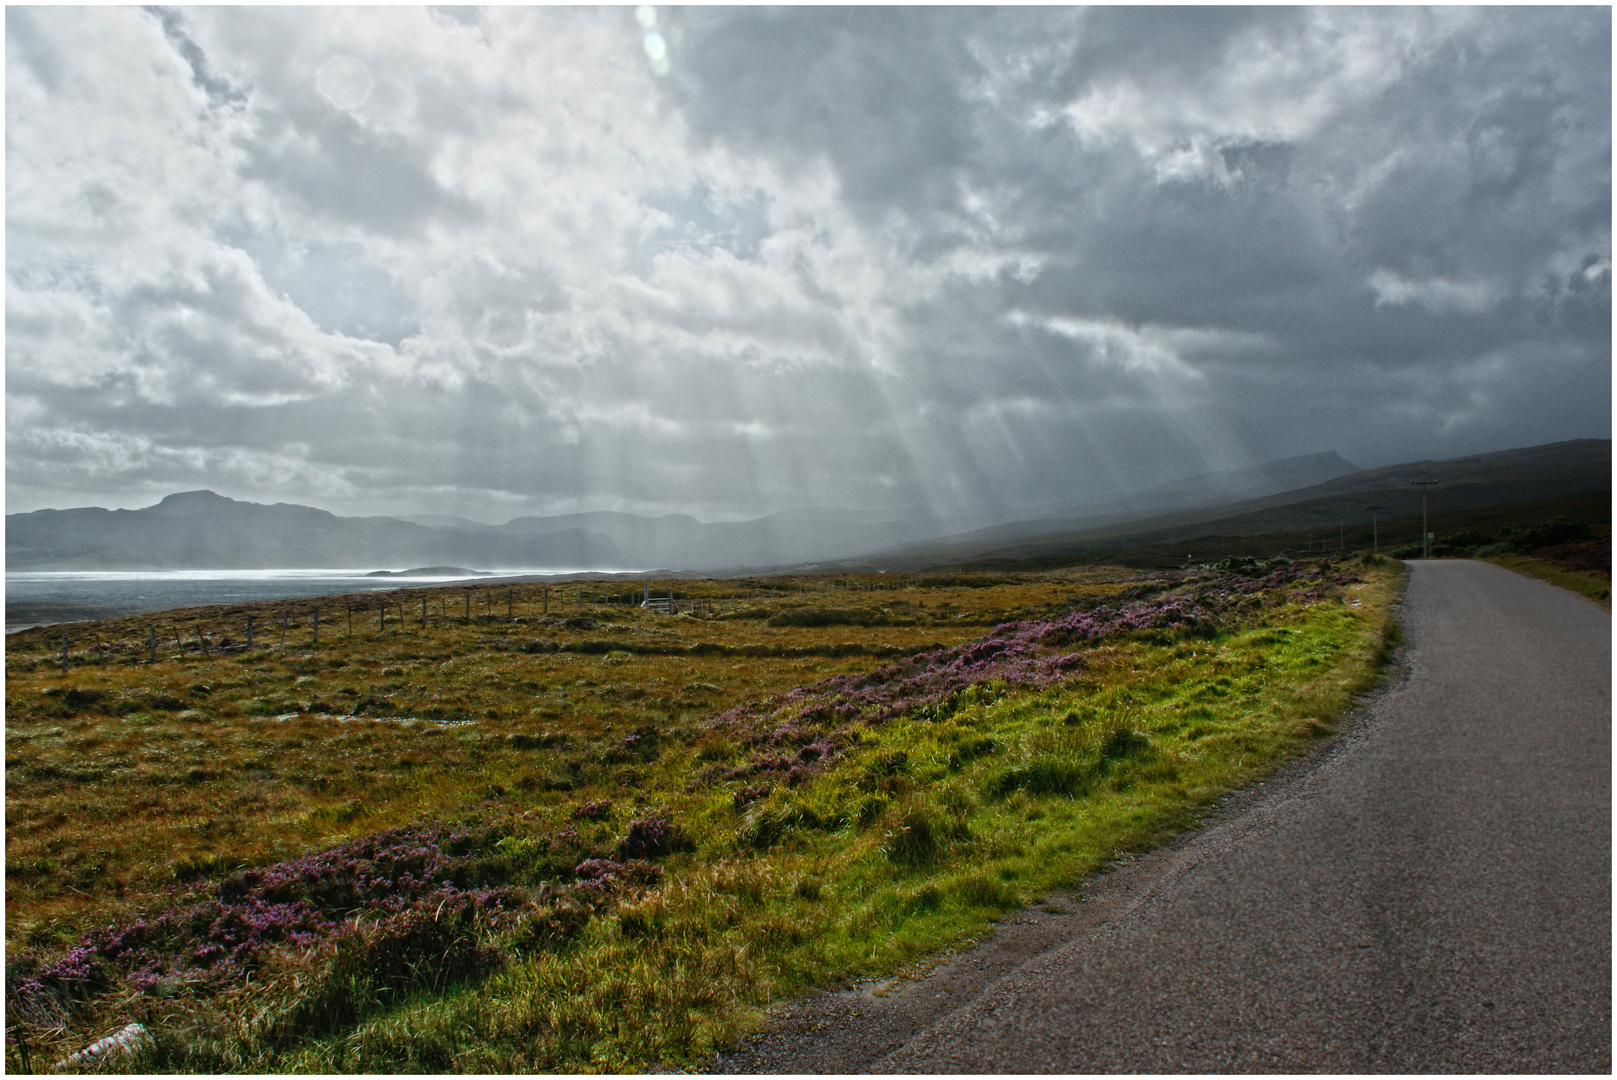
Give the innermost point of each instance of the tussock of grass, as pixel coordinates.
(648, 846)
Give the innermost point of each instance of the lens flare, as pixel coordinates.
(344, 82)
(657, 52)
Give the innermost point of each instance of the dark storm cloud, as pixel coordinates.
(963, 262)
(878, 89)
(1454, 203)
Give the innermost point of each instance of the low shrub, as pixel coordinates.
(1547, 533)
(652, 838)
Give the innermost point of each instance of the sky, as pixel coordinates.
(953, 264)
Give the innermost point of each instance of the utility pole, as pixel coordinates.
(1375, 545)
(1425, 537)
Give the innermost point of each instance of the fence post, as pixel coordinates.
(510, 609)
(64, 652)
(249, 637)
(547, 599)
(381, 616)
(423, 612)
(316, 624)
(152, 630)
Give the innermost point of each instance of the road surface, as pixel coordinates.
(1433, 894)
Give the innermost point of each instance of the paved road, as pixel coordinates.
(1436, 896)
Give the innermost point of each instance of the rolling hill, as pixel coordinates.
(1527, 475)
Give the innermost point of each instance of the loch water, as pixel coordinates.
(44, 597)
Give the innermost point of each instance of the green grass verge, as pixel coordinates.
(1592, 584)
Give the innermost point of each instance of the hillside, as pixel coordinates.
(1531, 474)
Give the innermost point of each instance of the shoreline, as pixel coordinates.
(31, 614)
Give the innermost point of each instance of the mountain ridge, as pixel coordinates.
(202, 529)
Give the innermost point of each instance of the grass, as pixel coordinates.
(1594, 584)
(604, 839)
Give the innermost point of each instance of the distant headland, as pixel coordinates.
(431, 571)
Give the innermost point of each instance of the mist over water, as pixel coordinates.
(111, 593)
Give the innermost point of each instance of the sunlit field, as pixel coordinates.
(512, 831)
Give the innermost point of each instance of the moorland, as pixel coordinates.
(497, 829)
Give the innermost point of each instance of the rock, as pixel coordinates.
(120, 1043)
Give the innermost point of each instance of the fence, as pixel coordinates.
(491, 605)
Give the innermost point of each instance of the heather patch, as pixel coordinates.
(813, 722)
(406, 908)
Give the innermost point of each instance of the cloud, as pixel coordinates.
(949, 262)
(1435, 294)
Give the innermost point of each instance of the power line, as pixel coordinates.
(1577, 410)
(1558, 389)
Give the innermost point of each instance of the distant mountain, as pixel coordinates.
(199, 530)
(444, 521)
(1555, 470)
